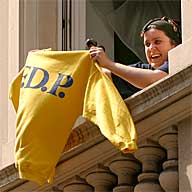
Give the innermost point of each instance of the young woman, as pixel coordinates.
(160, 35)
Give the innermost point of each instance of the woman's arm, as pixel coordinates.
(138, 77)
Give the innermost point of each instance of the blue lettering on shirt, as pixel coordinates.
(62, 81)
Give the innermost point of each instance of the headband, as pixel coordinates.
(170, 27)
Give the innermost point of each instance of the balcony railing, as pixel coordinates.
(162, 113)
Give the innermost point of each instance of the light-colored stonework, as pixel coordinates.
(180, 57)
(162, 114)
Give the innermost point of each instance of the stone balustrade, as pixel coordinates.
(101, 179)
(169, 176)
(78, 184)
(126, 167)
(161, 113)
(153, 167)
(150, 155)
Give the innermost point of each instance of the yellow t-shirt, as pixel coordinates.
(48, 96)
(104, 106)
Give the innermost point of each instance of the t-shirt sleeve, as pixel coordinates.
(164, 67)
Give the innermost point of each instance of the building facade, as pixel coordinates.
(162, 112)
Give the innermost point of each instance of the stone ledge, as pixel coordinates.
(160, 94)
(9, 178)
(81, 133)
(142, 105)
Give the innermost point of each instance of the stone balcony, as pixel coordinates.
(162, 114)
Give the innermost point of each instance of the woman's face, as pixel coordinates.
(157, 45)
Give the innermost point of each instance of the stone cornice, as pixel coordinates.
(153, 109)
(9, 176)
(82, 133)
(160, 94)
(162, 104)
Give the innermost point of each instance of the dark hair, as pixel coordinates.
(170, 27)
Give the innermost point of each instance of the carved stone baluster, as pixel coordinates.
(78, 184)
(150, 155)
(169, 177)
(125, 167)
(102, 179)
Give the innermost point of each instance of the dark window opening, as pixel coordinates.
(122, 54)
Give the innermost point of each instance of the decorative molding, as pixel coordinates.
(9, 178)
(154, 116)
(165, 102)
(160, 94)
(82, 133)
